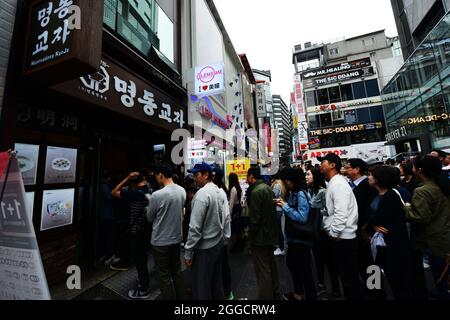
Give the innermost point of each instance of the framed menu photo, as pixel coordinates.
(29, 198)
(27, 156)
(57, 208)
(60, 165)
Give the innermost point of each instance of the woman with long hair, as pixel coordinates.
(409, 181)
(322, 249)
(386, 217)
(298, 257)
(429, 214)
(235, 196)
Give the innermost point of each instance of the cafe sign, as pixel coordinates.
(64, 39)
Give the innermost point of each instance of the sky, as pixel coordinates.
(267, 30)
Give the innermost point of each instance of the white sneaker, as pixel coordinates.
(278, 252)
(426, 266)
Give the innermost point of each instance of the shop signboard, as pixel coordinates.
(117, 89)
(345, 129)
(210, 79)
(64, 39)
(60, 165)
(335, 78)
(355, 104)
(239, 167)
(261, 110)
(27, 156)
(22, 274)
(57, 208)
(356, 64)
(343, 152)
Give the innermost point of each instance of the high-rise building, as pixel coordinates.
(341, 93)
(415, 19)
(417, 100)
(283, 125)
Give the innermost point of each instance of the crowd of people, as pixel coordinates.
(393, 215)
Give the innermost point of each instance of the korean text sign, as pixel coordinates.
(117, 89)
(63, 39)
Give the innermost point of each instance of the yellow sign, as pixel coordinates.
(239, 167)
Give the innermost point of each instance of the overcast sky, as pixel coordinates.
(268, 30)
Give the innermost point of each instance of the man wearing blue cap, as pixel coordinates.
(204, 246)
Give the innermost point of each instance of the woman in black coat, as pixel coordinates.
(387, 217)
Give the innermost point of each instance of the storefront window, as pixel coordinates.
(359, 90)
(311, 99)
(334, 94)
(322, 96)
(372, 88)
(346, 92)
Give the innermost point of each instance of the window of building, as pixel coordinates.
(314, 122)
(325, 120)
(372, 88)
(334, 94)
(346, 92)
(350, 117)
(376, 114)
(143, 24)
(334, 51)
(368, 42)
(363, 115)
(338, 118)
(322, 96)
(311, 99)
(359, 90)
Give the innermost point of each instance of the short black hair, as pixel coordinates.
(387, 177)
(255, 172)
(358, 163)
(165, 170)
(297, 177)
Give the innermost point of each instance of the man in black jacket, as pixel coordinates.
(356, 171)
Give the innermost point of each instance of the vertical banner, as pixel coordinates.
(22, 274)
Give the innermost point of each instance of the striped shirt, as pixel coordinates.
(137, 202)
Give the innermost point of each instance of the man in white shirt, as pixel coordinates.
(341, 225)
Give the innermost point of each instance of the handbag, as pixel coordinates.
(309, 231)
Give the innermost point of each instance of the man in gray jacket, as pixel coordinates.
(204, 246)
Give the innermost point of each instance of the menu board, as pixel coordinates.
(29, 198)
(57, 208)
(22, 275)
(60, 165)
(27, 156)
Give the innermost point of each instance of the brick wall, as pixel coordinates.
(7, 17)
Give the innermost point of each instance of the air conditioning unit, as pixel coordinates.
(298, 47)
(308, 45)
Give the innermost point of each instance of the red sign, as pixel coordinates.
(4, 158)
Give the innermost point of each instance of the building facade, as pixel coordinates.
(7, 22)
(87, 104)
(341, 91)
(283, 124)
(264, 110)
(206, 44)
(417, 100)
(415, 19)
